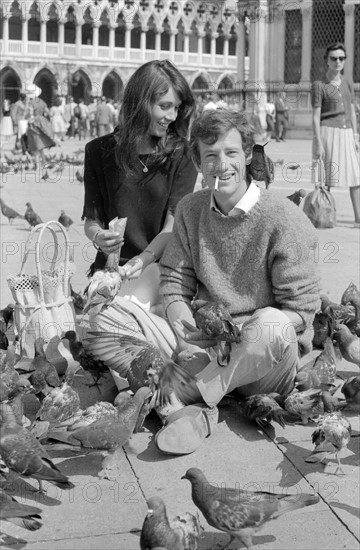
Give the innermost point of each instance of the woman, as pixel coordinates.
(334, 126)
(6, 125)
(58, 122)
(141, 170)
(39, 131)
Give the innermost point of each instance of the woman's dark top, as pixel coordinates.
(143, 198)
(335, 102)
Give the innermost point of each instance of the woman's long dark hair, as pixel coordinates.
(147, 85)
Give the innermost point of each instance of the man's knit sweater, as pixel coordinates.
(263, 258)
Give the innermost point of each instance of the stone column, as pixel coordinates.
(5, 39)
(112, 28)
(201, 35)
(214, 36)
(78, 26)
(349, 9)
(61, 36)
(186, 46)
(95, 38)
(143, 43)
(24, 34)
(226, 49)
(157, 43)
(306, 12)
(240, 56)
(43, 37)
(256, 91)
(128, 29)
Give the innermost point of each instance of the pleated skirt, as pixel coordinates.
(341, 157)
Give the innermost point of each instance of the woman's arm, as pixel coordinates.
(152, 252)
(319, 149)
(102, 238)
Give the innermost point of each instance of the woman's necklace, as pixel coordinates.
(145, 168)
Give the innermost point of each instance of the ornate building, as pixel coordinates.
(245, 48)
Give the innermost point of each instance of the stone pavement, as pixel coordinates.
(107, 514)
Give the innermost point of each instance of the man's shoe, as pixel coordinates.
(185, 429)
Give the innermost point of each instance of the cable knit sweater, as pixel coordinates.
(263, 258)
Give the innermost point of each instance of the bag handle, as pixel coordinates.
(28, 247)
(319, 173)
(42, 227)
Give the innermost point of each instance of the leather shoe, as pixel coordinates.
(185, 429)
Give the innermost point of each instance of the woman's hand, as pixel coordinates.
(133, 268)
(319, 150)
(108, 241)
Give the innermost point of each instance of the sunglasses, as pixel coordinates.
(341, 58)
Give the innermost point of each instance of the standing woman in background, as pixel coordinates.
(141, 170)
(334, 126)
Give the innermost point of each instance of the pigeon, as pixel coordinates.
(240, 513)
(87, 361)
(263, 408)
(141, 363)
(109, 433)
(18, 513)
(24, 455)
(45, 175)
(351, 391)
(335, 429)
(261, 167)
(59, 404)
(7, 317)
(216, 323)
(293, 166)
(98, 411)
(102, 289)
(297, 197)
(182, 533)
(319, 372)
(44, 376)
(331, 402)
(10, 213)
(9, 377)
(4, 341)
(322, 326)
(337, 312)
(349, 344)
(65, 220)
(78, 301)
(32, 217)
(351, 293)
(79, 176)
(306, 404)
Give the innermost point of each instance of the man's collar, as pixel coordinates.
(244, 205)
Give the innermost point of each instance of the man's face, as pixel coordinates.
(224, 159)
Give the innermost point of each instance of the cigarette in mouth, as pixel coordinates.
(216, 183)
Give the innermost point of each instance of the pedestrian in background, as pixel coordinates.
(103, 117)
(18, 115)
(281, 117)
(270, 118)
(58, 122)
(6, 125)
(334, 126)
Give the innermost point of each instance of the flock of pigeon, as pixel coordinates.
(152, 379)
(31, 216)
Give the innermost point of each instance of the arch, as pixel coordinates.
(104, 29)
(136, 32)
(48, 84)
(113, 86)
(52, 29)
(10, 84)
(202, 84)
(151, 34)
(34, 23)
(81, 86)
(165, 35)
(69, 27)
(179, 39)
(120, 31)
(15, 26)
(226, 83)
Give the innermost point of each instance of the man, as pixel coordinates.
(18, 114)
(281, 117)
(82, 119)
(241, 246)
(103, 117)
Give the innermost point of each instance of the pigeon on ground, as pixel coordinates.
(216, 323)
(351, 293)
(307, 405)
(32, 217)
(45, 175)
(322, 328)
(18, 513)
(240, 513)
(44, 376)
(331, 402)
(24, 455)
(9, 212)
(87, 361)
(7, 317)
(335, 429)
(65, 220)
(339, 313)
(261, 167)
(109, 433)
(182, 533)
(79, 176)
(351, 391)
(98, 411)
(263, 408)
(59, 404)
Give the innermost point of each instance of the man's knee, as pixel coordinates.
(267, 326)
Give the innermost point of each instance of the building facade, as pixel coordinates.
(246, 49)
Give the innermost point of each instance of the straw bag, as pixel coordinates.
(319, 205)
(43, 302)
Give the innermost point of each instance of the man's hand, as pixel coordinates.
(196, 337)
